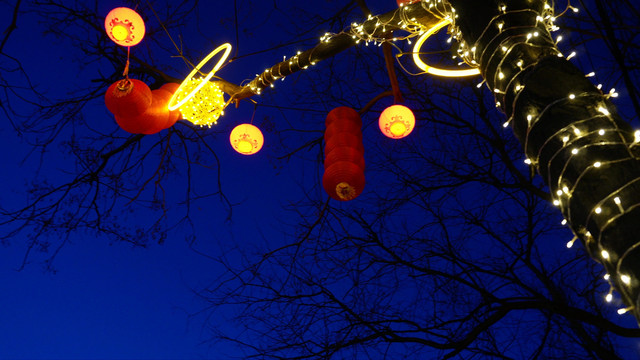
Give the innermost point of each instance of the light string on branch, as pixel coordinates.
(570, 132)
(413, 19)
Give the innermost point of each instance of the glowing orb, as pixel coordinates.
(246, 139)
(203, 107)
(396, 121)
(124, 26)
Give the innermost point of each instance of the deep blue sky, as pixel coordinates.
(113, 301)
(110, 300)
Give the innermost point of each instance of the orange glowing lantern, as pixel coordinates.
(139, 110)
(128, 97)
(343, 180)
(397, 121)
(246, 139)
(124, 26)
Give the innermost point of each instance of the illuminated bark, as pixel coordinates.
(569, 129)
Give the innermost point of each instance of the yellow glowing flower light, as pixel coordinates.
(174, 103)
(203, 107)
(434, 70)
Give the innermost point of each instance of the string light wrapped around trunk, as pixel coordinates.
(344, 164)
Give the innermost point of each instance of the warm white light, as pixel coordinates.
(605, 254)
(622, 311)
(598, 211)
(625, 279)
(597, 164)
(609, 297)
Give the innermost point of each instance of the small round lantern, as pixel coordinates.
(397, 121)
(246, 139)
(124, 26)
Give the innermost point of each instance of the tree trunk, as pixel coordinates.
(569, 129)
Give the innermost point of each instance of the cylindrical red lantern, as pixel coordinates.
(343, 181)
(128, 97)
(246, 139)
(344, 139)
(124, 26)
(343, 114)
(396, 121)
(344, 153)
(343, 177)
(340, 127)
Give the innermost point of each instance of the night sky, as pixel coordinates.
(107, 299)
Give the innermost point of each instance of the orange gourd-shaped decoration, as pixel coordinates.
(343, 177)
(397, 121)
(138, 109)
(174, 115)
(124, 26)
(128, 97)
(246, 139)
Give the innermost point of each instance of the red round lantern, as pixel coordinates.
(124, 26)
(397, 121)
(343, 181)
(246, 139)
(128, 97)
(344, 153)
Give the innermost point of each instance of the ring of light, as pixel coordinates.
(172, 103)
(434, 70)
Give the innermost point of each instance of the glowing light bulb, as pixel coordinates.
(625, 279)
